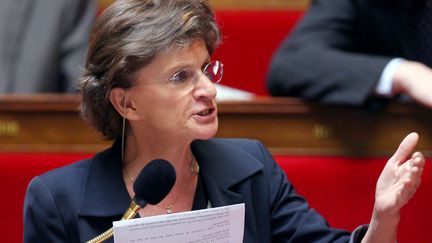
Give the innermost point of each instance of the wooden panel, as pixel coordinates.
(288, 126)
(45, 123)
(51, 123)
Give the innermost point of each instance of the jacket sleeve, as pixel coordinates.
(42, 222)
(321, 60)
(292, 220)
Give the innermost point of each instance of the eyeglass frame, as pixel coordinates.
(203, 70)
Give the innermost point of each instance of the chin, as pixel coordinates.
(208, 132)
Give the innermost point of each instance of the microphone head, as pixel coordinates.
(154, 182)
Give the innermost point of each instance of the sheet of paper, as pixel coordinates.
(215, 225)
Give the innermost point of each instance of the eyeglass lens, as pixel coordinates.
(214, 71)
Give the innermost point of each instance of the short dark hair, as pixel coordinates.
(125, 38)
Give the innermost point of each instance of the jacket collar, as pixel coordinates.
(222, 164)
(105, 192)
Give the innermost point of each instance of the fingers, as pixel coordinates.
(416, 166)
(418, 160)
(412, 168)
(411, 172)
(405, 148)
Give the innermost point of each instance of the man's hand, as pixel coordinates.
(415, 80)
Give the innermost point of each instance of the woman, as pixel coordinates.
(149, 84)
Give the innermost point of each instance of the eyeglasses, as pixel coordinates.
(212, 70)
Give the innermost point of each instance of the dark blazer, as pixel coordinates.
(79, 201)
(43, 44)
(337, 52)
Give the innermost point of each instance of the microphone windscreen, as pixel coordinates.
(154, 182)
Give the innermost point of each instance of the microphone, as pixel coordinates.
(152, 185)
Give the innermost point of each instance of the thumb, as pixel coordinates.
(405, 148)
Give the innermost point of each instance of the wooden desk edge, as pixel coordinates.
(293, 127)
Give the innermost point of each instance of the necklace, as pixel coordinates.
(127, 175)
(195, 168)
(170, 207)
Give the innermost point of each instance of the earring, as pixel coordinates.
(123, 129)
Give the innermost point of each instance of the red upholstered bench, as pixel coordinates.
(342, 189)
(16, 172)
(249, 39)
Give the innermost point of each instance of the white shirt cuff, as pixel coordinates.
(385, 83)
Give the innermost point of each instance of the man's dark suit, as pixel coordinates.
(43, 44)
(77, 202)
(339, 49)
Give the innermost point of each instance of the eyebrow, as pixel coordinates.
(182, 65)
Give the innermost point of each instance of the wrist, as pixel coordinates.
(404, 76)
(382, 228)
(387, 220)
(400, 78)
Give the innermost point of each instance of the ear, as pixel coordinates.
(123, 104)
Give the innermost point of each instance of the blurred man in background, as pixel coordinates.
(43, 44)
(357, 52)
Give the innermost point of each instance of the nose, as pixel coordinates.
(204, 88)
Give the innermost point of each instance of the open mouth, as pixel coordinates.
(206, 112)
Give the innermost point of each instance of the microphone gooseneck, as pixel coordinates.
(152, 185)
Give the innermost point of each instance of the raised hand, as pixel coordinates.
(399, 179)
(396, 185)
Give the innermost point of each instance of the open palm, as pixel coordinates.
(400, 178)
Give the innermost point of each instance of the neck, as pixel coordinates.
(139, 152)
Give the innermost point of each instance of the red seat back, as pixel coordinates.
(342, 189)
(249, 39)
(16, 172)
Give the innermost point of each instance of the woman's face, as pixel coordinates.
(173, 99)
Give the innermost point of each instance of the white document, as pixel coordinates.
(226, 93)
(215, 225)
